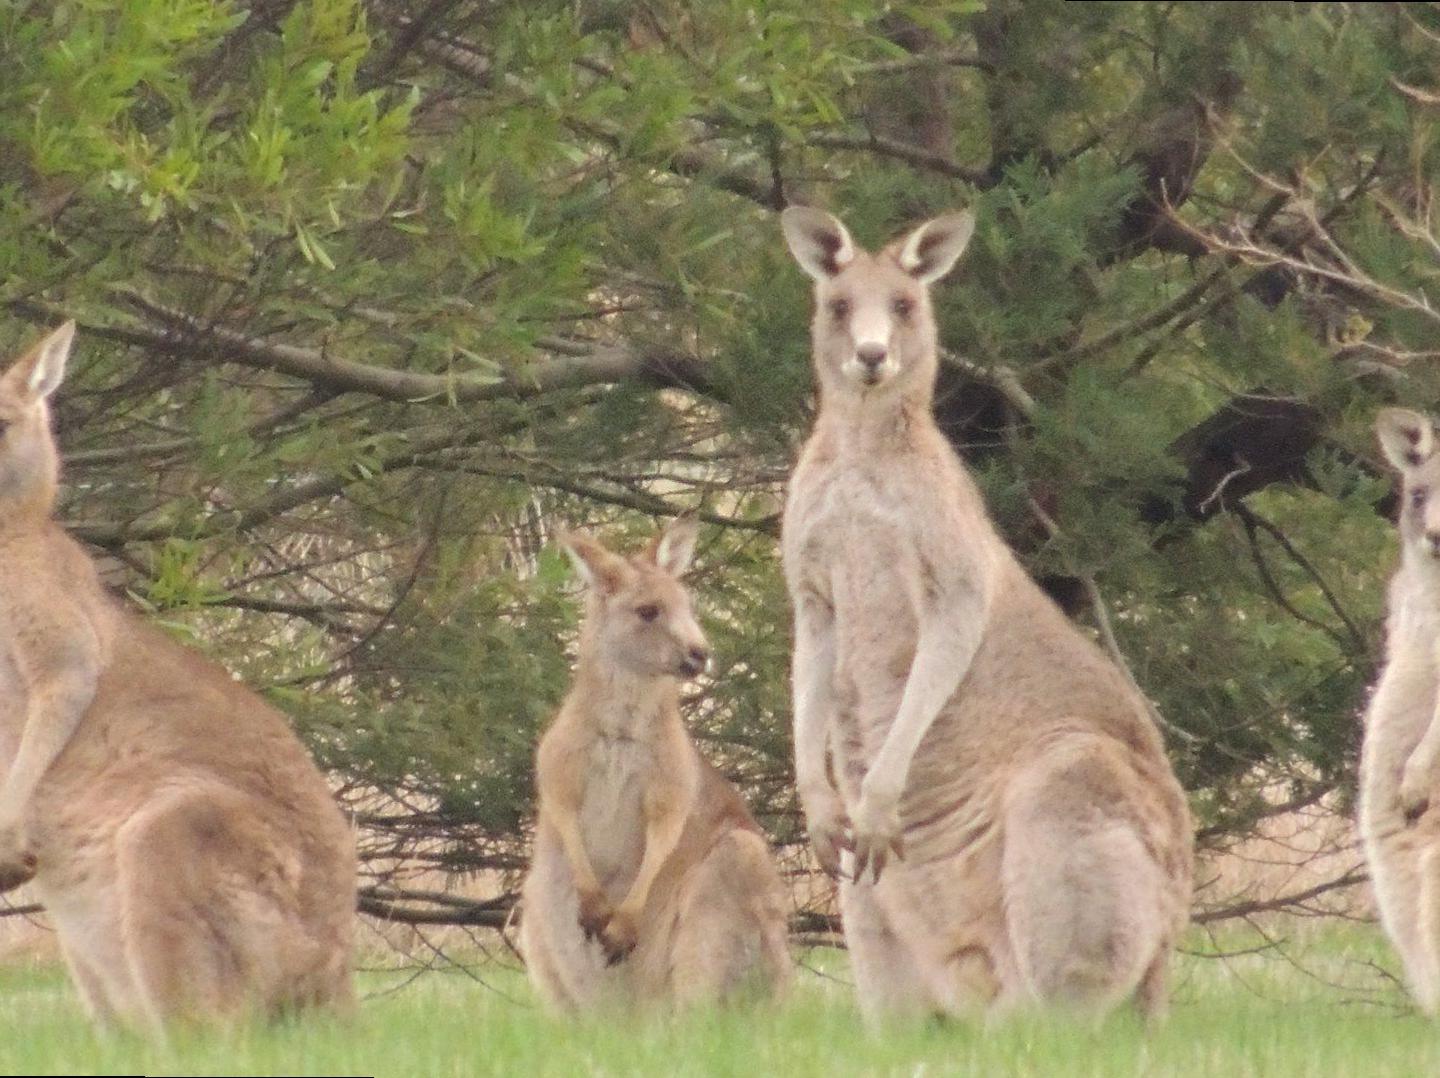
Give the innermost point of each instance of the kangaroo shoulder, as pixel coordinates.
(51, 599)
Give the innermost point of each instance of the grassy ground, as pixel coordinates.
(1331, 1011)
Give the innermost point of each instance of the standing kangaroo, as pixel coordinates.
(1400, 759)
(1042, 846)
(650, 880)
(189, 852)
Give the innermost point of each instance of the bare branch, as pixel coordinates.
(187, 337)
(915, 156)
(1281, 902)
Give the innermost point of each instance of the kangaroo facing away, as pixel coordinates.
(1400, 757)
(188, 850)
(650, 881)
(1012, 832)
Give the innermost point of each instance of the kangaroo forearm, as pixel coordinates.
(573, 843)
(814, 705)
(940, 664)
(1427, 751)
(52, 717)
(814, 699)
(661, 838)
(811, 742)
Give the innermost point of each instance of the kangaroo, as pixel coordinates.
(996, 799)
(191, 856)
(1400, 756)
(650, 881)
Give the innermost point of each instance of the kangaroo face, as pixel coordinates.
(650, 628)
(1408, 441)
(641, 619)
(872, 322)
(28, 461)
(873, 326)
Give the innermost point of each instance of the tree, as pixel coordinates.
(373, 295)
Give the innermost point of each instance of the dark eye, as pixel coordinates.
(1418, 496)
(901, 306)
(648, 612)
(839, 308)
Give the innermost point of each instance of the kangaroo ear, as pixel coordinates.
(1406, 438)
(600, 569)
(674, 548)
(932, 250)
(819, 242)
(39, 372)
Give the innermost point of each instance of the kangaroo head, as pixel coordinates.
(29, 463)
(873, 327)
(1408, 441)
(640, 618)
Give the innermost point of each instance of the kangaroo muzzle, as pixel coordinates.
(695, 660)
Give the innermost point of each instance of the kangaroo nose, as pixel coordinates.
(697, 659)
(872, 355)
(1433, 538)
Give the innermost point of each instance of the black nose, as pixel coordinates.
(872, 355)
(696, 659)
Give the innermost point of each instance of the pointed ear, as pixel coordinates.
(39, 372)
(600, 569)
(674, 548)
(1407, 438)
(819, 242)
(932, 250)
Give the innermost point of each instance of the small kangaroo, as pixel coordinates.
(1039, 848)
(191, 856)
(650, 881)
(1400, 757)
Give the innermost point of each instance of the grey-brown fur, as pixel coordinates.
(650, 882)
(1018, 835)
(1400, 758)
(186, 847)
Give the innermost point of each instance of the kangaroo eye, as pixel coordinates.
(648, 612)
(901, 306)
(1418, 496)
(839, 308)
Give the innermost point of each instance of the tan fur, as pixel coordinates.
(189, 851)
(1044, 845)
(650, 881)
(1400, 759)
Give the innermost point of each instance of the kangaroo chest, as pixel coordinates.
(852, 543)
(12, 706)
(852, 537)
(1406, 695)
(612, 820)
(13, 690)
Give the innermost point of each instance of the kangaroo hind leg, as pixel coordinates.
(1084, 898)
(208, 912)
(1421, 952)
(730, 934)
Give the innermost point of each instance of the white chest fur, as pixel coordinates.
(611, 818)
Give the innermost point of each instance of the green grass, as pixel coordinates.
(1329, 1012)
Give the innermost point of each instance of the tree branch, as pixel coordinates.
(572, 364)
(916, 156)
(1280, 902)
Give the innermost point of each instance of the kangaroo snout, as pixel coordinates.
(872, 355)
(696, 659)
